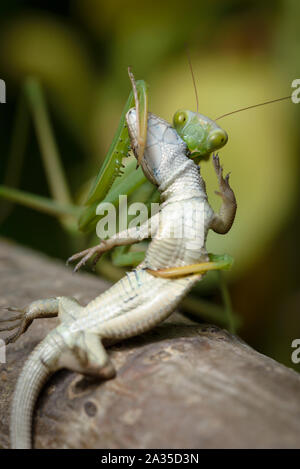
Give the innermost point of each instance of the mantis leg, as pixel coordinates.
(61, 206)
(49, 151)
(112, 166)
(227, 303)
(37, 202)
(215, 263)
(141, 105)
(17, 151)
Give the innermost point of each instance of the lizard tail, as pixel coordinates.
(40, 365)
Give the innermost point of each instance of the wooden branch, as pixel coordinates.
(181, 385)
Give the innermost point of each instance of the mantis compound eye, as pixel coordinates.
(180, 118)
(217, 139)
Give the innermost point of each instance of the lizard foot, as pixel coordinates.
(225, 190)
(46, 308)
(22, 322)
(108, 371)
(87, 254)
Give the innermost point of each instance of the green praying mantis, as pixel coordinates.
(118, 174)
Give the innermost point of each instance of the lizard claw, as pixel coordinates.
(227, 178)
(22, 324)
(217, 166)
(225, 189)
(85, 255)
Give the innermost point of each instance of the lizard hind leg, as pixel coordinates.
(86, 354)
(63, 307)
(69, 309)
(46, 308)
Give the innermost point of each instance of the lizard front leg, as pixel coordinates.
(222, 222)
(123, 238)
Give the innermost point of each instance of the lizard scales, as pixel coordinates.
(139, 301)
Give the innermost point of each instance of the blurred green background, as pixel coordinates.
(243, 53)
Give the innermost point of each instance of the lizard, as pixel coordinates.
(140, 300)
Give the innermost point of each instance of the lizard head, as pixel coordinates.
(164, 149)
(201, 134)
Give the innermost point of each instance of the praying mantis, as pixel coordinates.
(201, 134)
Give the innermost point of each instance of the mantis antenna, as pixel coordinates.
(194, 81)
(250, 107)
(232, 112)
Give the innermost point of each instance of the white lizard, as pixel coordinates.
(140, 300)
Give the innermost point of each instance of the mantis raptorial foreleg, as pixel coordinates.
(119, 148)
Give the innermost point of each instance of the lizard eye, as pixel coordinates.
(180, 118)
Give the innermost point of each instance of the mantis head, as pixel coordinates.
(201, 134)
